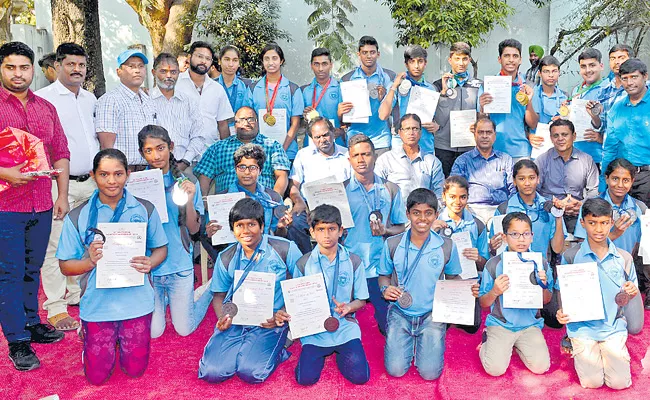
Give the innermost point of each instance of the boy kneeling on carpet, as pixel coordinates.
(252, 351)
(411, 265)
(599, 351)
(508, 328)
(345, 282)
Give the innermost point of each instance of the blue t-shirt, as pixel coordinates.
(102, 305)
(239, 95)
(427, 140)
(594, 149)
(328, 106)
(468, 224)
(262, 196)
(548, 105)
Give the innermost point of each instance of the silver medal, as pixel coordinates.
(404, 87)
(373, 91)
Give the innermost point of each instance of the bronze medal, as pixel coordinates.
(331, 324)
(522, 98)
(405, 300)
(230, 309)
(622, 299)
(596, 109)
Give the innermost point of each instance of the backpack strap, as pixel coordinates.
(480, 226)
(447, 247)
(227, 255)
(393, 190)
(74, 215)
(492, 264)
(629, 261)
(641, 205)
(392, 243)
(281, 247)
(273, 195)
(503, 208)
(346, 77)
(293, 87)
(570, 253)
(302, 262)
(147, 205)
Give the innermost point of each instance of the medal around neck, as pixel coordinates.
(230, 309)
(405, 300)
(622, 299)
(404, 87)
(312, 115)
(269, 119)
(375, 216)
(179, 196)
(331, 324)
(522, 98)
(596, 110)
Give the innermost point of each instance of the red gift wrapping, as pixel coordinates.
(16, 147)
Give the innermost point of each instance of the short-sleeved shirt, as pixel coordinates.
(311, 165)
(239, 95)
(217, 162)
(268, 198)
(513, 319)
(377, 130)
(632, 235)
(351, 286)
(124, 113)
(427, 140)
(579, 174)
(424, 275)
(490, 180)
(289, 98)
(594, 149)
(468, 223)
(360, 240)
(611, 275)
(101, 305)
(329, 104)
(424, 171)
(270, 261)
(548, 105)
(178, 257)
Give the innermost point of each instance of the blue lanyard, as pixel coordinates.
(368, 199)
(91, 228)
(231, 93)
(614, 206)
(539, 210)
(536, 271)
(335, 279)
(408, 272)
(247, 269)
(258, 196)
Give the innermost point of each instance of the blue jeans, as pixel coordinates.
(177, 291)
(350, 358)
(251, 352)
(298, 231)
(24, 238)
(419, 337)
(380, 304)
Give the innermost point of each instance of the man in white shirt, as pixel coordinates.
(75, 107)
(195, 83)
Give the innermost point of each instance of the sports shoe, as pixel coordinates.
(23, 356)
(44, 333)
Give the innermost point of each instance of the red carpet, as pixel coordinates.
(172, 373)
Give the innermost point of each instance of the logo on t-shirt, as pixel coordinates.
(284, 96)
(434, 260)
(275, 266)
(344, 279)
(137, 218)
(334, 96)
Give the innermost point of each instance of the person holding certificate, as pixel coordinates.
(512, 125)
(252, 352)
(347, 291)
(378, 213)
(112, 315)
(411, 265)
(599, 351)
(278, 101)
(173, 280)
(415, 60)
(518, 328)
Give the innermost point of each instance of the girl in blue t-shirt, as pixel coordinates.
(173, 280)
(112, 312)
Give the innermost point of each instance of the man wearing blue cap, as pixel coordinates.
(121, 113)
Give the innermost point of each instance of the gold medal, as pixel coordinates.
(312, 115)
(522, 98)
(563, 111)
(269, 119)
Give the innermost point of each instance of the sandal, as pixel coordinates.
(63, 322)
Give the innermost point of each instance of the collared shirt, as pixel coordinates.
(291, 102)
(594, 149)
(76, 114)
(512, 319)
(100, 305)
(466, 99)
(490, 180)
(376, 129)
(548, 105)
(360, 240)
(425, 275)
(178, 258)
(239, 94)
(628, 130)
(269, 261)
(468, 224)
(611, 276)
(124, 113)
(267, 198)
(217, 162)
(575, 176)
(632, 235)
(181, 116)
(352, 285)
(311, 165)
(427, 140)
(421, 172)
(609, 95)
(543, 221)
(39, 118)
(329, 104)
(511, 128)
(213, 101)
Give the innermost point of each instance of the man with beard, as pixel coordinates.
(211, 96)
(26, 207)
(75, 107)
(121, 113)
(535, 53)
(177, 112)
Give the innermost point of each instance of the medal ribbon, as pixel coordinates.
(335, 283)
(414, 82)
(92, 230)
(247, 269)
(257, 196)
(584, 89)
(461, 78)
(270, 104)
(517, 82)
(536, 271)
(408, 272)
(322, 93)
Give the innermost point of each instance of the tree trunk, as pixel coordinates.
(78, 21)
(5, 21)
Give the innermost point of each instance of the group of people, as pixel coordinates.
(408, 192)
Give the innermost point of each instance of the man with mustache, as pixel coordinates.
(75, 107)
(210, 95)
(177, 112)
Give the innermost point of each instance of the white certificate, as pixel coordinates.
(582, 299)
(356, 92)
(307, 303)
(500, 87)
(522, 292)
(254, 298)
(461, 121)
(580, 118)
(453, 302)
(542, 130)
(219, 206)
(423, 103)
(463, 241)
(644, 244)
(333, 194)
(278, 131)
(124, 240)
(497, 227)
(149, 185)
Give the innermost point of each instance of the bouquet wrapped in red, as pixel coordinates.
(16, 147)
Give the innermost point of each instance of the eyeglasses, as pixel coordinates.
(412, 129)
(250, 120)
(485, 133)
(517, 235)
(250, 168)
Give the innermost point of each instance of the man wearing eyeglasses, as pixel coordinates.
(217, 163)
